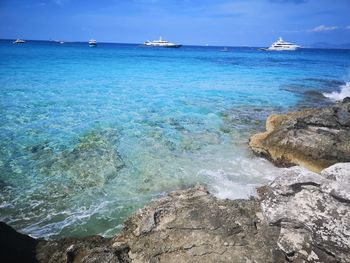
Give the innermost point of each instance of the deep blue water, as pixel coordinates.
(89, 135)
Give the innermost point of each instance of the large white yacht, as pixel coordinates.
(92, 43)
(19, 41)
(161, 43)
(280, 45)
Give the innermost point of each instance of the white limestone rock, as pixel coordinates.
(313, 211)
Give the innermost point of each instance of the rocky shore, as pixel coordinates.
(302, 216)
(314, 139)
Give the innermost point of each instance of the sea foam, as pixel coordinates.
(338, 96)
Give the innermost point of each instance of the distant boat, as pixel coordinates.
(61, 42)
(225, 49)
(19, 41)
(92, 43)
(281, 45)
(161, 43)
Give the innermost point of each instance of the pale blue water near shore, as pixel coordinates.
(89, 135)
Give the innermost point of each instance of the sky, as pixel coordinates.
(197, 22)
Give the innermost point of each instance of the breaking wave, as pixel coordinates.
(342, 94)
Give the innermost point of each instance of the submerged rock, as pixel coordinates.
(93, 160)
(2, 184)
(313, 211)
(95, 154)
(315, 139)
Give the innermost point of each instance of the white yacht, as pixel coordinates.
(280, 45)
(92, 43)
(161, 43)
(19, 41)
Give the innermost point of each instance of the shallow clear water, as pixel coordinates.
(89, 135)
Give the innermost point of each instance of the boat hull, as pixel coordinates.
(275, 49)
(168, 46)
(173, 46)
(281, 49)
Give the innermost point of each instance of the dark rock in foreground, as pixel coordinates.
(315, 139)
(302, 217)
(16, 247)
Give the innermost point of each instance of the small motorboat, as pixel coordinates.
(92, 43)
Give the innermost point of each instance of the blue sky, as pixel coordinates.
(220, 22)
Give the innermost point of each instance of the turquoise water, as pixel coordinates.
(89, 135)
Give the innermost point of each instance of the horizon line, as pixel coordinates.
(195, 45)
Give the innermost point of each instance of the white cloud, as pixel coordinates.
(323, 28)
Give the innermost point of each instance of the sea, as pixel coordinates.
(90, 135)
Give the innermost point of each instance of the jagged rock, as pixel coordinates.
(193, 226)
(313, 211)
(184, 226)
(315, 139)
(303, 217)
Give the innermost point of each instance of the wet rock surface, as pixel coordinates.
(315, 139)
